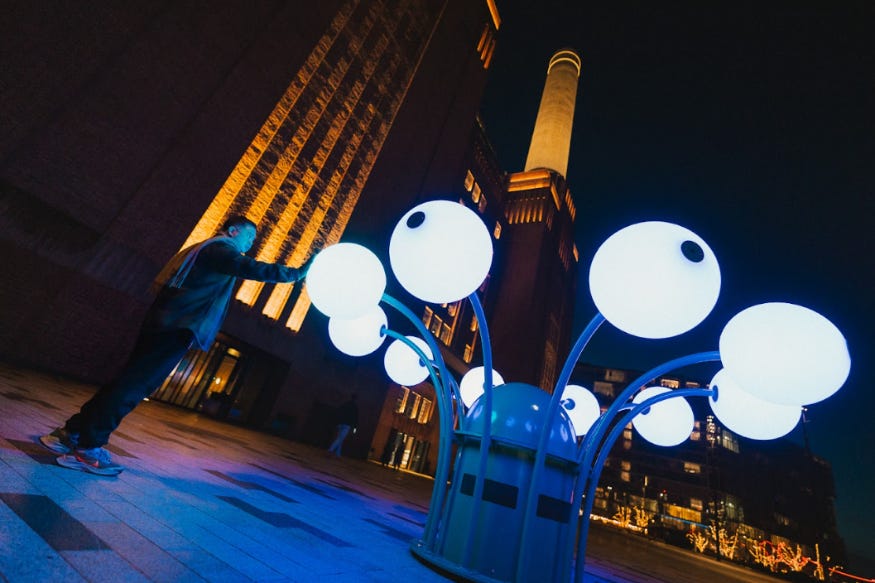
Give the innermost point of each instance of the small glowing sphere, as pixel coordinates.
(440, 251)
(748, 416)
(403, 365)
(345, 280)
(472, 384)
(784, 353)
(358, 336)
(654, 279)
(668, 422)
(582, 407)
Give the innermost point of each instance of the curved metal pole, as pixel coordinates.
(486, 438)
(446, 422)
(590, 444)
(541, 450)
(605, 450)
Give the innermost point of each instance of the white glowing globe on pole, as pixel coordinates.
(440, 251)
(403, 365)
(668, 422)
(359, 336)
(345, 280)
(654, 279)
(748, 416)
(472, 384)
(784, 353)
(582, 407)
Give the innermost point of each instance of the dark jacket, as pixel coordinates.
(201, 301)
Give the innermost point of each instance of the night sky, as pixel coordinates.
(750, 124)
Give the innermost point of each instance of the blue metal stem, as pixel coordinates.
(541, 450)
(596, 471)
(486, 438)
(445, 411)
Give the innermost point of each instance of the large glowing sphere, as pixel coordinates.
(345, 280)
(748, 416)
(785, 353)
(668, 422)
(472, 384)
(440, 251)
(403, 365)
(582, 407)
(654, 279)
(358, 336)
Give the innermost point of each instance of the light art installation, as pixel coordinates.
(518, 459)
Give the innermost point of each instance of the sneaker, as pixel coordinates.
(60, 441)
(95, 461)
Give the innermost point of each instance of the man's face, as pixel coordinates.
(243, 237)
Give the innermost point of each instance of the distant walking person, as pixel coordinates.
(347, 418)
(194, 292)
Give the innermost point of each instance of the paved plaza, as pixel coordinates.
(202, 500)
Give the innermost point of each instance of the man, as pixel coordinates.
(347, 418)
(194, 294)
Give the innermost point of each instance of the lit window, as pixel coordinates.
(670, 383)
(401, 402)
(482, 204)
(615, 375)
(426, 316)
(625, 476)
(729, 441)
(469, 353)
(469, 181)
(414, 408)
(446, 334)
(473, 324)
(692, 468)
(602, 388)
(452, 308)
(435, 327)
(625, 465)
(475, 193)
(424, 411)
(695, 504)
(496, 232)
(627, 434)
(692, 385)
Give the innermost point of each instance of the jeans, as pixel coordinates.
(342, 430)
(155, 355)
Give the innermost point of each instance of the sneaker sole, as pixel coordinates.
(72, 463)
(54, 446)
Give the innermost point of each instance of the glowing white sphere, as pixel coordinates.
(654, 279)
(345, 280)
(582, 407)
(748, 416)
(784, 353)
(358, 336)
(440, 251)
(472, 384)
(668, 422)
(403, 365)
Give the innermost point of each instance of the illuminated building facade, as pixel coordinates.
(763, 495)
(137, 129)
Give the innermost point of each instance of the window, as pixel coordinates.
(696, 435)
(496, 232)
(696, 504)
(469, 181)
(413, 405)
(602, 388)
(692, 468)
(615, 375)
(436, 324)
(473, 327)
(670, 383)
(426, 316)
(424, 411)
(469, 353)
(446, 334)
(481, 206)
(729, 441)
(401, 402)
(624, 476)
(475, 193)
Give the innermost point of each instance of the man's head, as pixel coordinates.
(241, 231)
